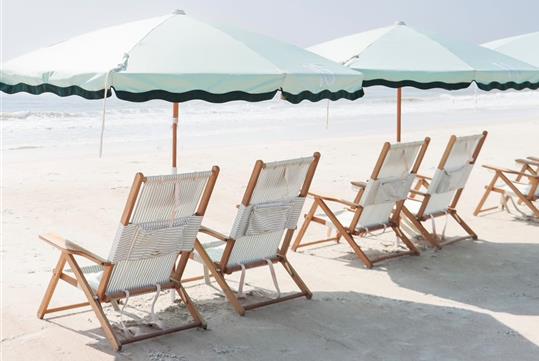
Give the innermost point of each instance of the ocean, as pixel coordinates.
(48, 120)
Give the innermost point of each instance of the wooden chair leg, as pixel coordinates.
(297, 279)
(485, 195)
(51, 287)
(405, 239)
(94, 303)
(463, 224)
(190, 306)
(230, 295)
(303, 229)
(340, 228)
(424, 233)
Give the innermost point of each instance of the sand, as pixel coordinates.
(473, 300)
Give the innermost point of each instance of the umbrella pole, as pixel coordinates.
(175, 118)
(399, 101)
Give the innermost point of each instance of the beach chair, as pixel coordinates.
(438, 196)
(263, 228)
(160, 222)
(525, 187)
(376, 205)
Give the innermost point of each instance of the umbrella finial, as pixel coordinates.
(178, 12)
(400, 22)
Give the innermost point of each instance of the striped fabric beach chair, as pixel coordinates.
(377, 203)
(160, 222)
(438, 196)
(524, 187)
(262, 230)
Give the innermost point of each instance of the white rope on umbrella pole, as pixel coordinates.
(327, 115)
(103, 114)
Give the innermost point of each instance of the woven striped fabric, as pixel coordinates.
(162, 225)
(275, 207)
(454, 176)
(392, 184)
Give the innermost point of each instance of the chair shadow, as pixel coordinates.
(335, 325)
(500, 277)
(529, 219)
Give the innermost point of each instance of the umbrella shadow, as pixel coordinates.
(500, 277)
(344, 325)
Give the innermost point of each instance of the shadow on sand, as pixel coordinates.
(333, 325)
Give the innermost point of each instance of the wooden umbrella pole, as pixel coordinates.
(175, 119)
(399, 109)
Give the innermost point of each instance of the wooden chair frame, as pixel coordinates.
(424, 182)
(348, 232)
(219, 269)
(95, 300)
(527, 171)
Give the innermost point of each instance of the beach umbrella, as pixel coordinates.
(523, 47)
(399, 55)
(178, 58)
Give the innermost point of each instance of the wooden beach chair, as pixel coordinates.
(376, 205)
(439, 195)
(525, 187)
(160, 222)
(262, 230)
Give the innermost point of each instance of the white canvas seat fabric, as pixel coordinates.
(522, 187)
(275, 206)
(454, 176)
(163, 224)
(381, 194)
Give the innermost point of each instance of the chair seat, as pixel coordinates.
(345, 218)
(413, 206)
(214, 250)
(522, 187)
(93, 275)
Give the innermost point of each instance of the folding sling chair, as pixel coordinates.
(525, 187)
(160, 222)
(443, 190)
(269, 210)
(377, 203)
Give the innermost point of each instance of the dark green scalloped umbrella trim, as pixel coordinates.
(177, 97)
(450, 86)
(509, 85)
(325, 94)
(49, 88)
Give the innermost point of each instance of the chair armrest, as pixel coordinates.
(359, 184)
(70, 247)
(528, 162)
(510, 171)
(336, 200)
(214, 233)
(533, 158)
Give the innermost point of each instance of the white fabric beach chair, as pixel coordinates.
(262, 230)
(160, 222)
(442, 192)
(377, 203)
(525, 187)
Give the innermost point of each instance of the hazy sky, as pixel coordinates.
(29, 24)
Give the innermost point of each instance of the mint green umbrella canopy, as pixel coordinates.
(400, 55)
(523, 47)
(178, 58)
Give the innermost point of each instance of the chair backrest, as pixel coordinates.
(453, 171)
(390, 182)
(272, 204)
(161, 219)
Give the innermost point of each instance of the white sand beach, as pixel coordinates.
(473, 300)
